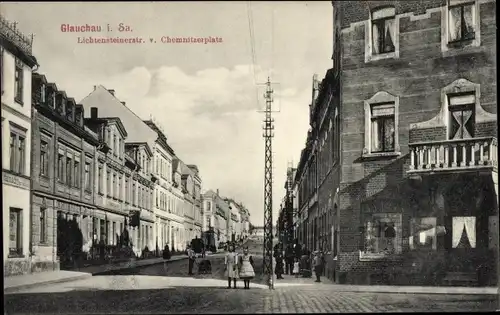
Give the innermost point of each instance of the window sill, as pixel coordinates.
(380, 155)
(465, 48)
(88, 190)
(363, 256)
(15, 256)
(44, 244)
(44, 176)
(19, 101)
(391, 55)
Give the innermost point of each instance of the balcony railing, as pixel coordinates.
(451, 155)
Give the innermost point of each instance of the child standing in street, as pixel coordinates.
(296, 268)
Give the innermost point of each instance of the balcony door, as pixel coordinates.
(461, 116)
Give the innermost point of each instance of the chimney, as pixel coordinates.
(124, 104)
(93, 112)
(217, 191)
(95, 87)
(112, 92)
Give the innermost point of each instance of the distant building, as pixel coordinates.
(164, 197)
(125, 180)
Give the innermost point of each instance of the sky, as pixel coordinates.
(206, 97)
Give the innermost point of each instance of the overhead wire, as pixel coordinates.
(252, 48)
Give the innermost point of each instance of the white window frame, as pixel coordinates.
(446, 47)
(369, 55)
(381, 97)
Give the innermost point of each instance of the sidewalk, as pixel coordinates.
(15, 283)
(291, 281)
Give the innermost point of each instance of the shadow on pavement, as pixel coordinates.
(169, 300)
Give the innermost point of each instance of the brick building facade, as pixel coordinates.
(418, 180)
(64, 154)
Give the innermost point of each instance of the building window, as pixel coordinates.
(43, 223)
(382, 128)
(76, 173)
(17, 150)
(133, 194)
(99, 179)
(382, 234)
(115, 145)
(119, 149)
(44, 159)
(120, 194)
(1, 68)
(87, 176)
(114, 238)
(68, 170)
(60, 167)
(18, 84)
(108, 183)
(381, 125)
(383, 30)
(461, 120)
(126, 191)
(461, 22)
(113, 186)
(15, 232)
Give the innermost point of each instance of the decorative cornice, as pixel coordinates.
(10, 32)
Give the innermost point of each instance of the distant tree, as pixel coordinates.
(250, 228)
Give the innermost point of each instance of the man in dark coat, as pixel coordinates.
(289, 256)
(278, 256)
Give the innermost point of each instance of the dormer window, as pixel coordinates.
(78, 115)
(69, 111)
(43, 88)
(60, 104)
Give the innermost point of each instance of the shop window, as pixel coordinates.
(15, 232)
(464, 232)
(382, 234)
(423, 234)
(43, 225)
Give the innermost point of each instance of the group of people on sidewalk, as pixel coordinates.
(238, 266)
(296, 260)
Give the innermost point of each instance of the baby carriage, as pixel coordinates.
(204, 267)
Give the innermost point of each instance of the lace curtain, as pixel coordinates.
(458, 23)
(390, 35)
(375, 136)
(375, 38)
(459, 223)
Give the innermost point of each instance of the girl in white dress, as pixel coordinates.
(231, 266)
(245, 264)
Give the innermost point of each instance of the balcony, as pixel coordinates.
(453, 155)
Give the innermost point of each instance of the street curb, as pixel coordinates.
(101, 272)
(140, 266)
(17, 288)
(415, 292)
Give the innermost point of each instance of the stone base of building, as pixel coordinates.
(16, 266)
(21, 266)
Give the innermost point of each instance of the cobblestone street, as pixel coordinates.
(152, 290)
